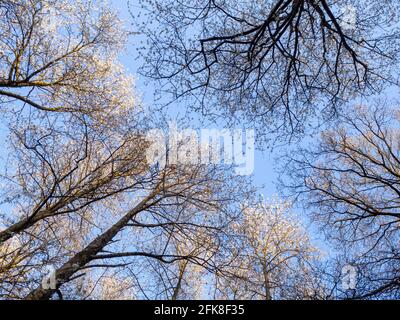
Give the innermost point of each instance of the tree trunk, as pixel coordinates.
(73, 265)
(21, 226)
(177, 289)
(267, 285)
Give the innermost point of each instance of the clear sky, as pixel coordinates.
(264, 174)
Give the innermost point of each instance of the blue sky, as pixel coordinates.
(264, 167)
(264, 175)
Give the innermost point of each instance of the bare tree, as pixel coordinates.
(77, 141)
(60, 190)
(350, 180)
(60, 56)
(53, 178)
(198, 188)
(272, 257)
(85, 206)
(277, 64)
(184, 278)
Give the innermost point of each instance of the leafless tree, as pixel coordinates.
(270, 256)
(68, 109)
(350, 181)
(84, 204)
(280, 65)
(198, 188)
(185, 278)
(60, 56)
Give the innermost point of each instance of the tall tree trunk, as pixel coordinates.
(16, 228)
(25, 223)
(178, 286)
(267, 285)
(73, 265)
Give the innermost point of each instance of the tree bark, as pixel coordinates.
(267, 285)
(22, 225)
(73, 265)
(179, 284)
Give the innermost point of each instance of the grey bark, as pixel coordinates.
(73, 265)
